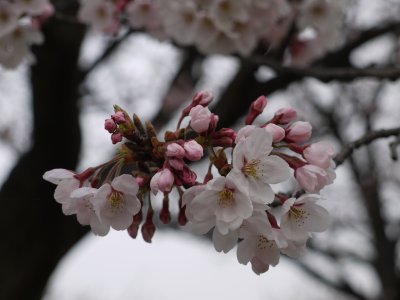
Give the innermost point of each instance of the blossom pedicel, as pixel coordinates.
(236, 198)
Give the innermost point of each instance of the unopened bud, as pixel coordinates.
(285, 115)
(298, 132)
(148, 228)
(116, 137)
(277, 132)
(165, 215)
(193, 150)
(119, 117)
(257, 107)
(203, 98)
(110, 125)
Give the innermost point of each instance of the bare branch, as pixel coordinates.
(107, 53)
(340, 286)
(327, 73)
(364, 140)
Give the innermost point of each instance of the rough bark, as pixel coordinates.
(35, 234)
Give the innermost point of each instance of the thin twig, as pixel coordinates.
(364, 140)
(328, 73)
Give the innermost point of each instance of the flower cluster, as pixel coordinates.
(309, 28)
(235, 199)
(20, 22)
(227, 26)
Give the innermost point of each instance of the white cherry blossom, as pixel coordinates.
(82, 205)
(223, 202)
(66, 184)
(98, 13)
(254, 169)
(301, 216)
(9, 15)
(117, 203)
(15, 46)
(260, 243)
(33, 7)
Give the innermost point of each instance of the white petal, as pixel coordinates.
(260, 192)
(202, 227)
(319, 218)
(56, 175)
(97, 227)
(83, 192)
(132, 204)
(258, 144)
(269, 255)
(224, 242)
(64, 190)
(121, 221)
(274, 169)
(258, 266)
(126, 184)
(246, 250)
(293, 229)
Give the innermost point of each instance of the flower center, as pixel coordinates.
(225, 198)
(116, 201)
(298, 214)
(263, 243)
(251, 169)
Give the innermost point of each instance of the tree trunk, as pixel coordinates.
(35, 234)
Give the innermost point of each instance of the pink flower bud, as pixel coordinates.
(148, 228)
(140, 181)
(116, 137)
(194, 151)
(277, 132)
(319, 154)
(110, 125)
(165, 215)
(201, 117)
(298, 132)
(175, 150)
(213, 122)
(257, 107)
(311, 178)
(203, 98)
(176, 163)
(188, 177)
(224, 137)
(285, 115)
(162, 181)
(119, 117)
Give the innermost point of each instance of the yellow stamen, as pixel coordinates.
(225, 198)
(116, 201)
(263, 243)
(251, 169)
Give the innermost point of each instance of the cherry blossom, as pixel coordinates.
(15, 46)
(116, 203)
(319, 154)
(66, 183)
(254, 169)
(234, 199)
(223, 201)
(258, 245)
(301, 216)
(82, 200)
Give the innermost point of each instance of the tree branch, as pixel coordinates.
(327, 74)
(364, 140)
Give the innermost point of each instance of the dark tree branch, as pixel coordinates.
(364, 140)
(181, 87)
(327, 74)
(113, 45)
(341, 286)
